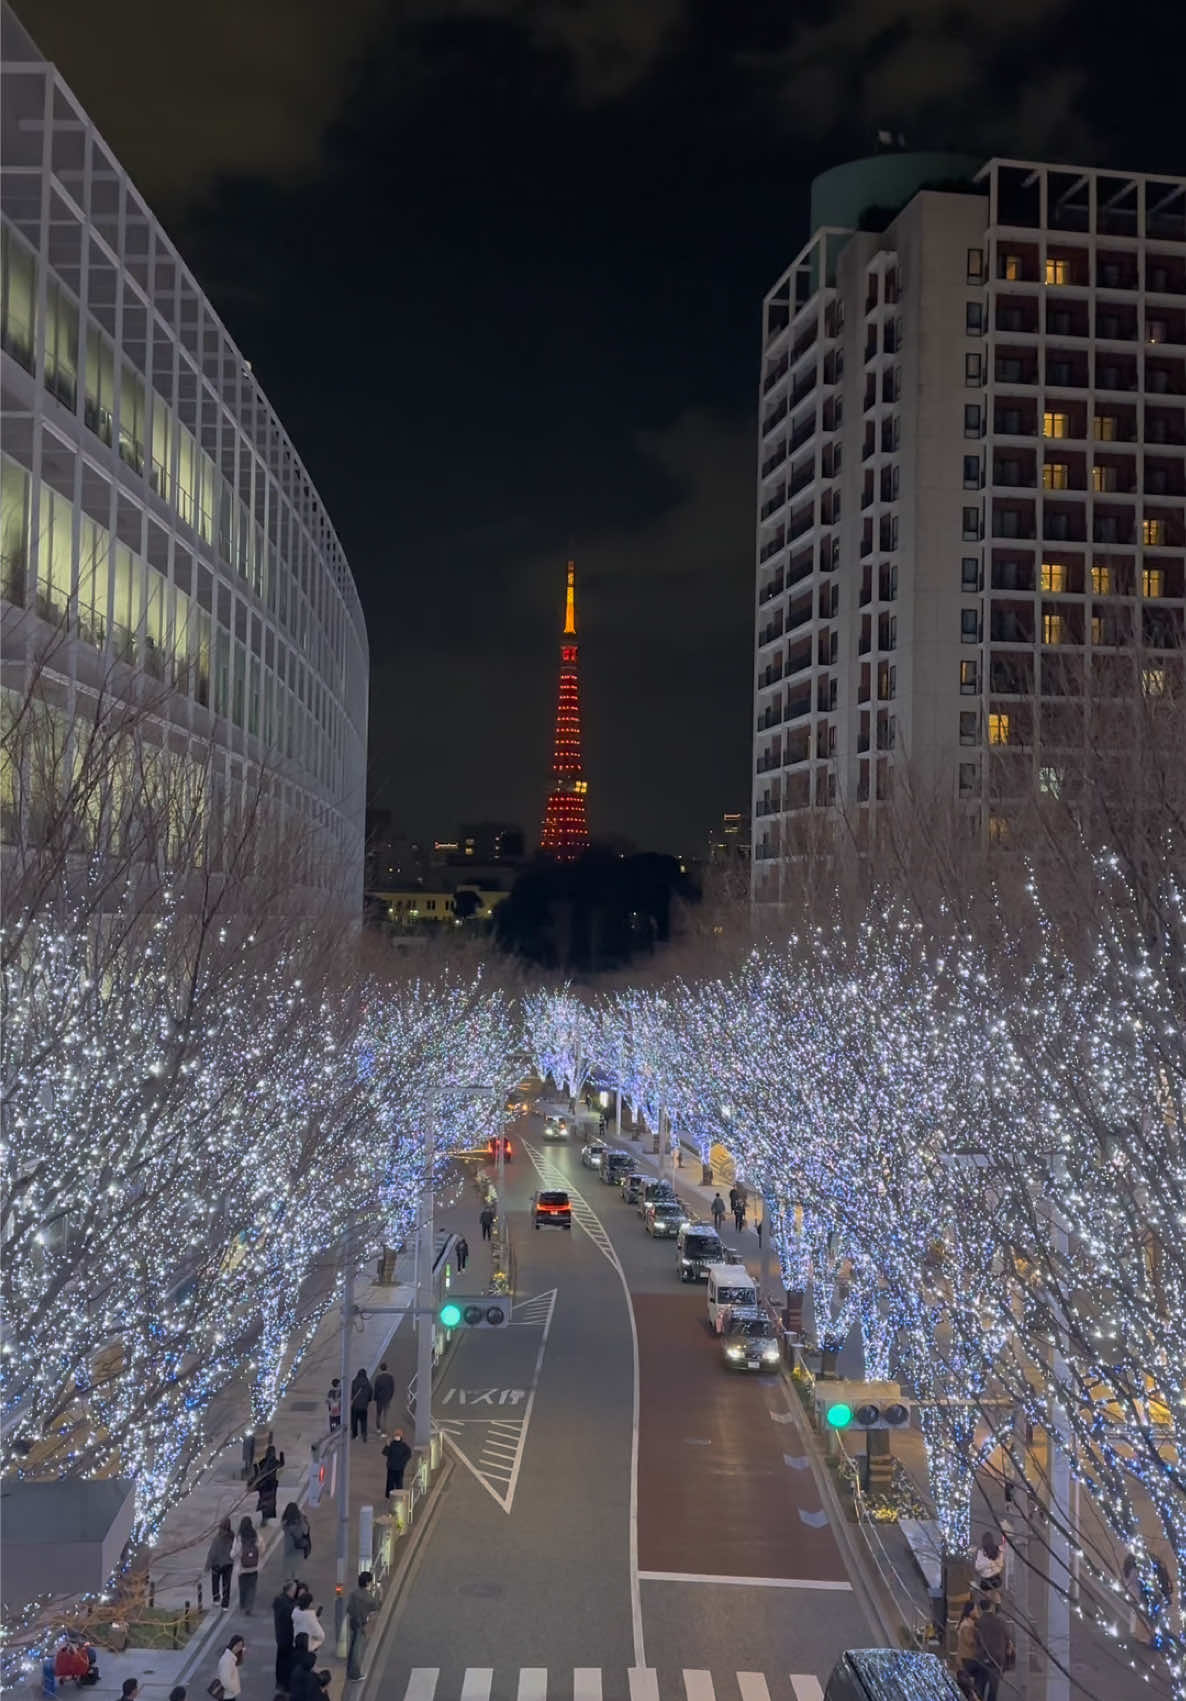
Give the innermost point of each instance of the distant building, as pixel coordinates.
(418, 909)
(731, 840)
(490, 841)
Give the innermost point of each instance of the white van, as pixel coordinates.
(728, 1284)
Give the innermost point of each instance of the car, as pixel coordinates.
(653, 1189)
(591, 1154)
(749, 1339)
(699, 1246)
(614, 1165)
(555, 1128)
(493, 1144)
(632, 1186)
(552, 1208)
(663, 1218)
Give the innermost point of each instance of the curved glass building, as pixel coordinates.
(156, 519)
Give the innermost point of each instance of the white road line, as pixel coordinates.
(644, 1684)
(533, 1683)
(477, 1683)
(807, 1688)
(743, 1582)
(698, 1686)
(586, 1683)
(422, 1683)
(752, 1686)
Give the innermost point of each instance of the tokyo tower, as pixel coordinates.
(566, 824)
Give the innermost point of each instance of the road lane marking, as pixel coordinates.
(796, 1464)
(422, 1683)
(743, 1582)
(586, 1683)
(698, 1686)
(477, 1683)
(817, 1520)
(644, 1683)
(807, 1688)
(752, 1686)
(533, 1683)
(781, 1417)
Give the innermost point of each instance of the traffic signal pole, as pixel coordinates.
(425, 1311)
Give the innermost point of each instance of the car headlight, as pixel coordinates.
(687, 1263)
(734, 1352)
(771, 1355)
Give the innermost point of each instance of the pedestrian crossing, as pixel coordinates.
(595, 1683)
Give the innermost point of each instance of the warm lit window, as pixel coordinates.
(1012, 270)
(1054, 575)
(1103, 582)
(1153, 532)
(1153, 681)
(1056, 475)
(1104, 427)
(1153, 582)
(1097, 630)
(1103, 478)
(969, 679)
(1058, 271)
(1056, 425)
(1052, 628)
(998, 729)
(975, 264)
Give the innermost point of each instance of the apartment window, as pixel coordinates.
(1053, 628)
(1103, 478)
(1156, 330)
(1153, 533)
(969, 626)
(1050, 781)
(972, 474)
(969, 778)
(1058, 271)
(1011, 268)
(1105, 428)
(1153, 582)
(1097, 630)
(1056, 424)
(975, 265)
(972, 522)
(974, 318)
(970, 573)
(973, 369)
(1153, 681)
(969, 679)
(998, 729)
(871, 290)
(1103, 582)
(972, 418)
(969, 726)
(1054, 576)
(1056, 475)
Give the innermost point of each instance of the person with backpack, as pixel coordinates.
(246, 1552)
(298, 1539)
(361, 1395)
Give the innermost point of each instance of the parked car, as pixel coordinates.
(553, 1209)
(729, 1286)
(749, 1340)
(614, 1165)
(591, 1154)
(663, 1218)
(632, 1186)
(698, 1247)
(654, 1190)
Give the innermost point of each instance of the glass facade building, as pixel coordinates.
(155, 518)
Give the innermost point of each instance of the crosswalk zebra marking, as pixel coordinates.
(586, 1683)
(479, 1680)
(752, 1686)
(533, 1683)
(422, 1684)
(807, 1688)
(698, 1686)
(644, 1683)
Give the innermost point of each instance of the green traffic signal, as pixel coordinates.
(450, 1315)
(839, 1415)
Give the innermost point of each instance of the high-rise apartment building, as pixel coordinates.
(972, 487)
(159, 536)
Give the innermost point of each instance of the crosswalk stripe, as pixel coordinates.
(807, 1688)
(477, 1684)
(752, 1686)
(644, 1683)
(533, 1683)
(586, 1683)
(422, 1683)
(698, 1686)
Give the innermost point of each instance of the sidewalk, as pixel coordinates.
(299, 1423)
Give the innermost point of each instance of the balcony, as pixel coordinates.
(774, 460)
(775, 373)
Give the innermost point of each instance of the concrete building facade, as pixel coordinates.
(157, 522)
(972, 488)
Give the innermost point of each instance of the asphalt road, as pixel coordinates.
(525, 1588)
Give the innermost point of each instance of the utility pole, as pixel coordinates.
(618, 1114)
(347, 1329)
(1057, 1626)
(425, 1313)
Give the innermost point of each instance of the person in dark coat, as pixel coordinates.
(487, 1221)
(994, 1649)
(266, 1481)
(397, 1453)
(462, 1250)
(220, 1561)
(384, 1394)
(282, 1607)
(300, 1675)
(361, 1395)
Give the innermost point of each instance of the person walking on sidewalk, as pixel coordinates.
(246, 1551)
(300, 1676)
(462, 1251)
(718, 1212)
(220, 1562)
(333, 1404)
(228, 1667)
(739, 1213)
(384, 1394)
(282, 1607)
(361, 1604)
(266, 1482)
(361, 1395)
(397, 1453)
(306, 1623)
(994, 1649)
(733, 1200)
(298, 1540)
(487, 1221)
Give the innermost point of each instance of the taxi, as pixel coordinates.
(749, 1339)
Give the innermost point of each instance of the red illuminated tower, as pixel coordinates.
(566, 824)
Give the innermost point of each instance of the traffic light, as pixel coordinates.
(862, 1405)
(478, 1313)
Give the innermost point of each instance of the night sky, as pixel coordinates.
(499, 266)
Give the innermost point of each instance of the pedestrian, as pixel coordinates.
(307, 1684)
(266, 1481)
(361, 1394)
(397, 1453)
(733, 1197)
(384, 1390)
(601, 1126)
(989, 1563)
(131, 1688)
(300, 1684)
(462, 1251)
(487, 1221)
(995, 1654)
(178, 1692)
(739, 1215)
(361, 1604)
(759, 1225)
(220, 1562)
(306, 1622)
(246, 1551)
(718, 1212)
(333, 1404)
(966, 1648)
(298, 1539)
(228, 1678)
(282, 1606)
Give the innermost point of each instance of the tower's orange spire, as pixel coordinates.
(566, 823)
(570, 606)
